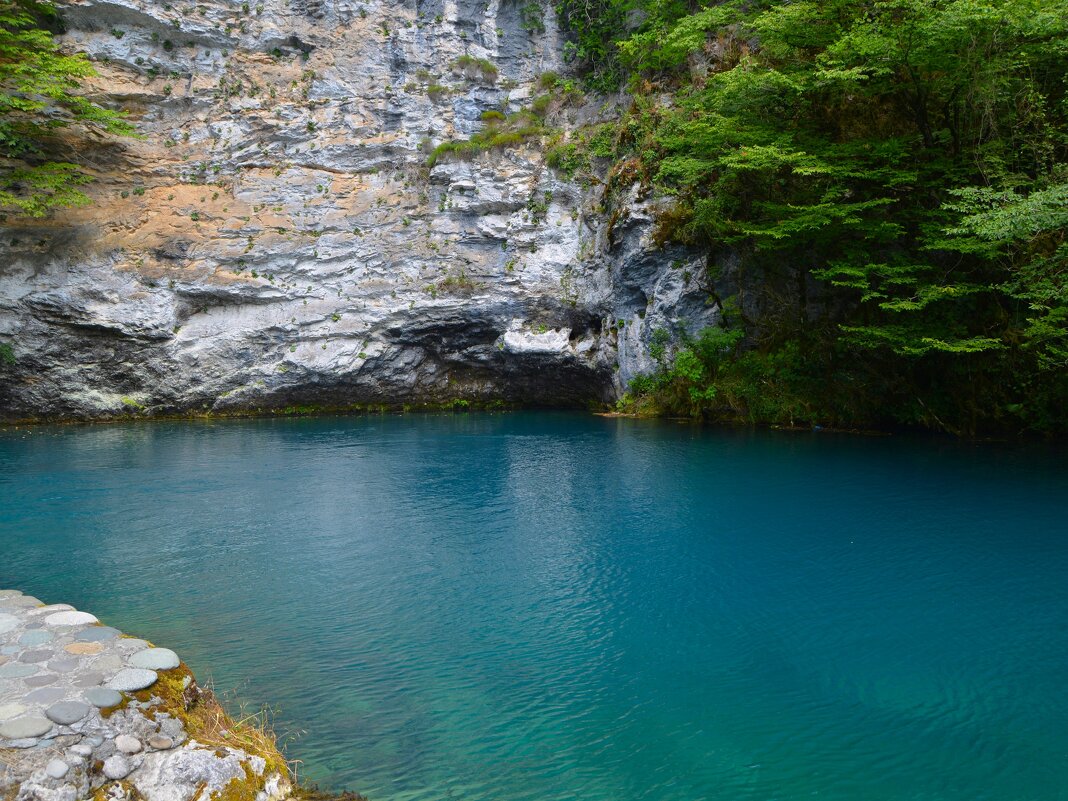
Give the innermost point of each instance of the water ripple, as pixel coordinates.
(546, 606)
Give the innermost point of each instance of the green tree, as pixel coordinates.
(904, 163)
(38, 97)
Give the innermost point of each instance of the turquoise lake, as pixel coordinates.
(554, 606)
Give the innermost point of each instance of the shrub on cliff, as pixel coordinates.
(38, 97)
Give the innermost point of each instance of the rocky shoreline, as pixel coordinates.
(305, 410)
(87, 712)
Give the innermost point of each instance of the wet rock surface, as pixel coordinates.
(82, 733)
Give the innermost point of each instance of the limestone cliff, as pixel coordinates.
(276, 237)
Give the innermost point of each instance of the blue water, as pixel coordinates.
(558, 606)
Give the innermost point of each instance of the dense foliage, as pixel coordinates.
(893, 177)
(38, 96)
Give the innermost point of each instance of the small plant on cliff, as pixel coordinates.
(472, 68)
(567, 158)
(537, 208)
(131, 403)
(37, 98)
(459, 283)
(532, 17)
(513, 130)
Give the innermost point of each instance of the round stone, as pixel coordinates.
(47, 610)
(130, 680)
(42, 655)
(155, 659)
(97, 634)
(10, 650)
(103, 697)
(84, 648)
(160, 743)
(88, 679)
(67, 712)
(41, 681)
(36, 637)
(108, 663)
(16, 670)
(133, 644)
(7, 623)
(70, 618)
(8, 711)
(24, 728)
(57, 768)
(116, 767)
(127, 744)
(45, 695)
(65, 665)
(22, 601)
(82, 749)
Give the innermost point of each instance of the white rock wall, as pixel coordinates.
(275, 237)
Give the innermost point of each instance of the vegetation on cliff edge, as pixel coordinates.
(38, 96)
(892, 178)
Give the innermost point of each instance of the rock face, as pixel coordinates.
(276, 238)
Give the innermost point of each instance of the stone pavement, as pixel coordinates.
(80, 717)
